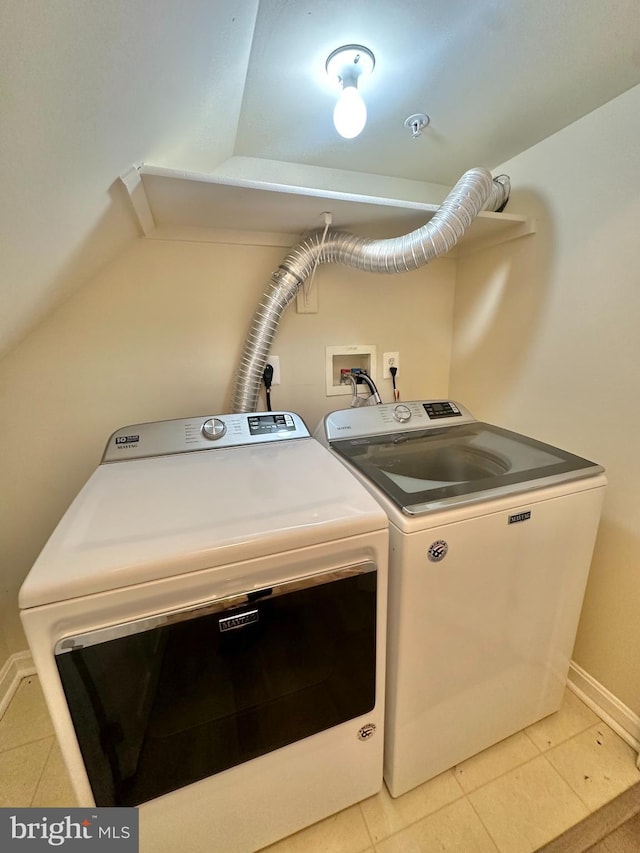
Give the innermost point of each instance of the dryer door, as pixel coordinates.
(163, 702)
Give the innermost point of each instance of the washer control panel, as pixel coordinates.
(402, 413)
(164, 438)
(391, 418)
(214, 428)
(441, 409)
(278, 423)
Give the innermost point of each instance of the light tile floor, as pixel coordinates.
(511, 798)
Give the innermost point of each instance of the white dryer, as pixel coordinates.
(208, 624)
(491, 538)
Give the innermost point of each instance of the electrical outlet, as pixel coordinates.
(389, 359)
(274, 361)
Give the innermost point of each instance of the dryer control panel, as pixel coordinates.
(163, 438)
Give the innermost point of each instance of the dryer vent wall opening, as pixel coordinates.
(476, 190)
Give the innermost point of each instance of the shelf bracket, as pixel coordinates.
(139, 201)
(511, 231)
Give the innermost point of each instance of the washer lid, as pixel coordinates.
(158, 517)
(426, 470)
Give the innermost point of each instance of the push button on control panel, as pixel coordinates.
(269, 424)
(214, 429)
(443, 409)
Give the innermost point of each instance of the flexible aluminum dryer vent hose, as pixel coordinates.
(475, 191)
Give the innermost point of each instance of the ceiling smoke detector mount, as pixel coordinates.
(346, 65)
(417, 123)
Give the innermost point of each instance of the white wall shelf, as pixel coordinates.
(179, 205)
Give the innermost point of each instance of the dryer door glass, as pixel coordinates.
(167, 701)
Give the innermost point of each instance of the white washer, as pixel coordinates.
(491, 538)
(208, 623)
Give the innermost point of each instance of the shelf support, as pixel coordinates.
(512, 231)
(139, 201)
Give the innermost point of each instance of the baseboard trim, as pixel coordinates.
(607, 706)
(19, 666)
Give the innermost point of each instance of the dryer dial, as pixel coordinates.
(214, 429)
(402, 413)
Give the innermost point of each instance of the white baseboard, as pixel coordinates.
(607, 706)
(18, 666)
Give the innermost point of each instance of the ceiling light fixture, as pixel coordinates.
(346, 65)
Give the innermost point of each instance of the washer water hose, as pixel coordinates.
(373, 399)
(475, 191)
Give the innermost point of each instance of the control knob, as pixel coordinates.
(402, 413)
(214, 429)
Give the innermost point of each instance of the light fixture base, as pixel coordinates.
(417, 123)
(350, 62)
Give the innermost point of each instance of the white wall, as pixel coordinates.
(88, 89)
(157, 335)
(547, 342)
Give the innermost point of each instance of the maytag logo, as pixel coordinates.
(520, 516)
(367, 731)
(437, 550)
(82, 830)
(231, 623)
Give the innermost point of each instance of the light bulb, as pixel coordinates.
(350, 113)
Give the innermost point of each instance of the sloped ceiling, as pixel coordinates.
(495, 77)
(90, 87)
